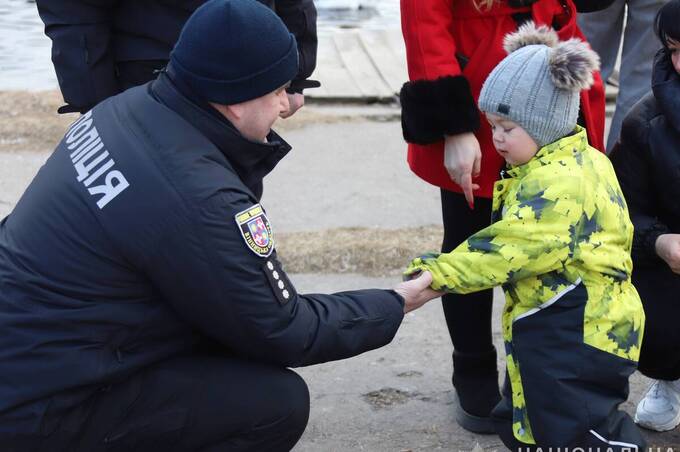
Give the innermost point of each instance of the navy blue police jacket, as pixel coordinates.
(131, 245)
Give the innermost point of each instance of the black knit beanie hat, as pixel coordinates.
(231, 51)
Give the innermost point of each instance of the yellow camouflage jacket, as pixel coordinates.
(560, 221)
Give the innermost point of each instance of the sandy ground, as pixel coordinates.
(399, 398)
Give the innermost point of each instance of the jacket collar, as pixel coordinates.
(666, 87)
(250, 159)
(564, 147)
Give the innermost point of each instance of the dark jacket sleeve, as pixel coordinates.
(588, 6)
(300, 18)
(81, 49)
(631, 160)
(223, 289)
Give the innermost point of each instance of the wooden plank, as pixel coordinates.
(390, 65)
(396, 42)
(332, 72)
(359, 65)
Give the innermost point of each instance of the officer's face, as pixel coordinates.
(255, 117)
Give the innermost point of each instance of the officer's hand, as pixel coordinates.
(296, 101)
(668, 248)
(463, 160)
(417, 292)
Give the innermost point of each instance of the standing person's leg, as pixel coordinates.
(197, 403)
(603, 30)
(468, 318)
(640, 44)
(659, 409)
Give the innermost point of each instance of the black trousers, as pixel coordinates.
(192, 403)
(660, 353)
(468, 317)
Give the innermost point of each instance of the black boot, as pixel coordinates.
(475, 380)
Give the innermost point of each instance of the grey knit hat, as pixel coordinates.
(538, 84)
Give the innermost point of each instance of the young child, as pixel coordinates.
(560, 247)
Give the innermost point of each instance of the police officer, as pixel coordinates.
(103, 47)
(142, 303)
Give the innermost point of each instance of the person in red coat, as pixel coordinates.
(451, 47)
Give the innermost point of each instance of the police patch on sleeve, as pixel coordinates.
(256, 230)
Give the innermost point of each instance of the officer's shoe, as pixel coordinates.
(659, 410)
(475, 380)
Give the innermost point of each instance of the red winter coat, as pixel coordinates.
(443, 35)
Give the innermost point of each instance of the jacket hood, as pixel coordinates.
(666, 87)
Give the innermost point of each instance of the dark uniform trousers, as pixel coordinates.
(190, 403)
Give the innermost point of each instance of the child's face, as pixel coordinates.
(512, 142)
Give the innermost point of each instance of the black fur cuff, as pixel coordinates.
(431, 109)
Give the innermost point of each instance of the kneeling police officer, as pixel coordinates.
(142, 304)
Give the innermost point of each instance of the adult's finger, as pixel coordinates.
(466, 185)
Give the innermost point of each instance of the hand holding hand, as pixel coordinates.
(668, 249)
(296, 101)
(416, 292)
(463, 159)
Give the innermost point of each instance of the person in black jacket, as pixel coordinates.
(646, 159)
(103, 47)
(142, 303)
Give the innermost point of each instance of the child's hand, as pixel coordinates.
(416, 267)
(463, 159)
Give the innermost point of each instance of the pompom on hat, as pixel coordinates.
(538, 84)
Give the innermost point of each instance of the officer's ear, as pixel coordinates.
(231, 112)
